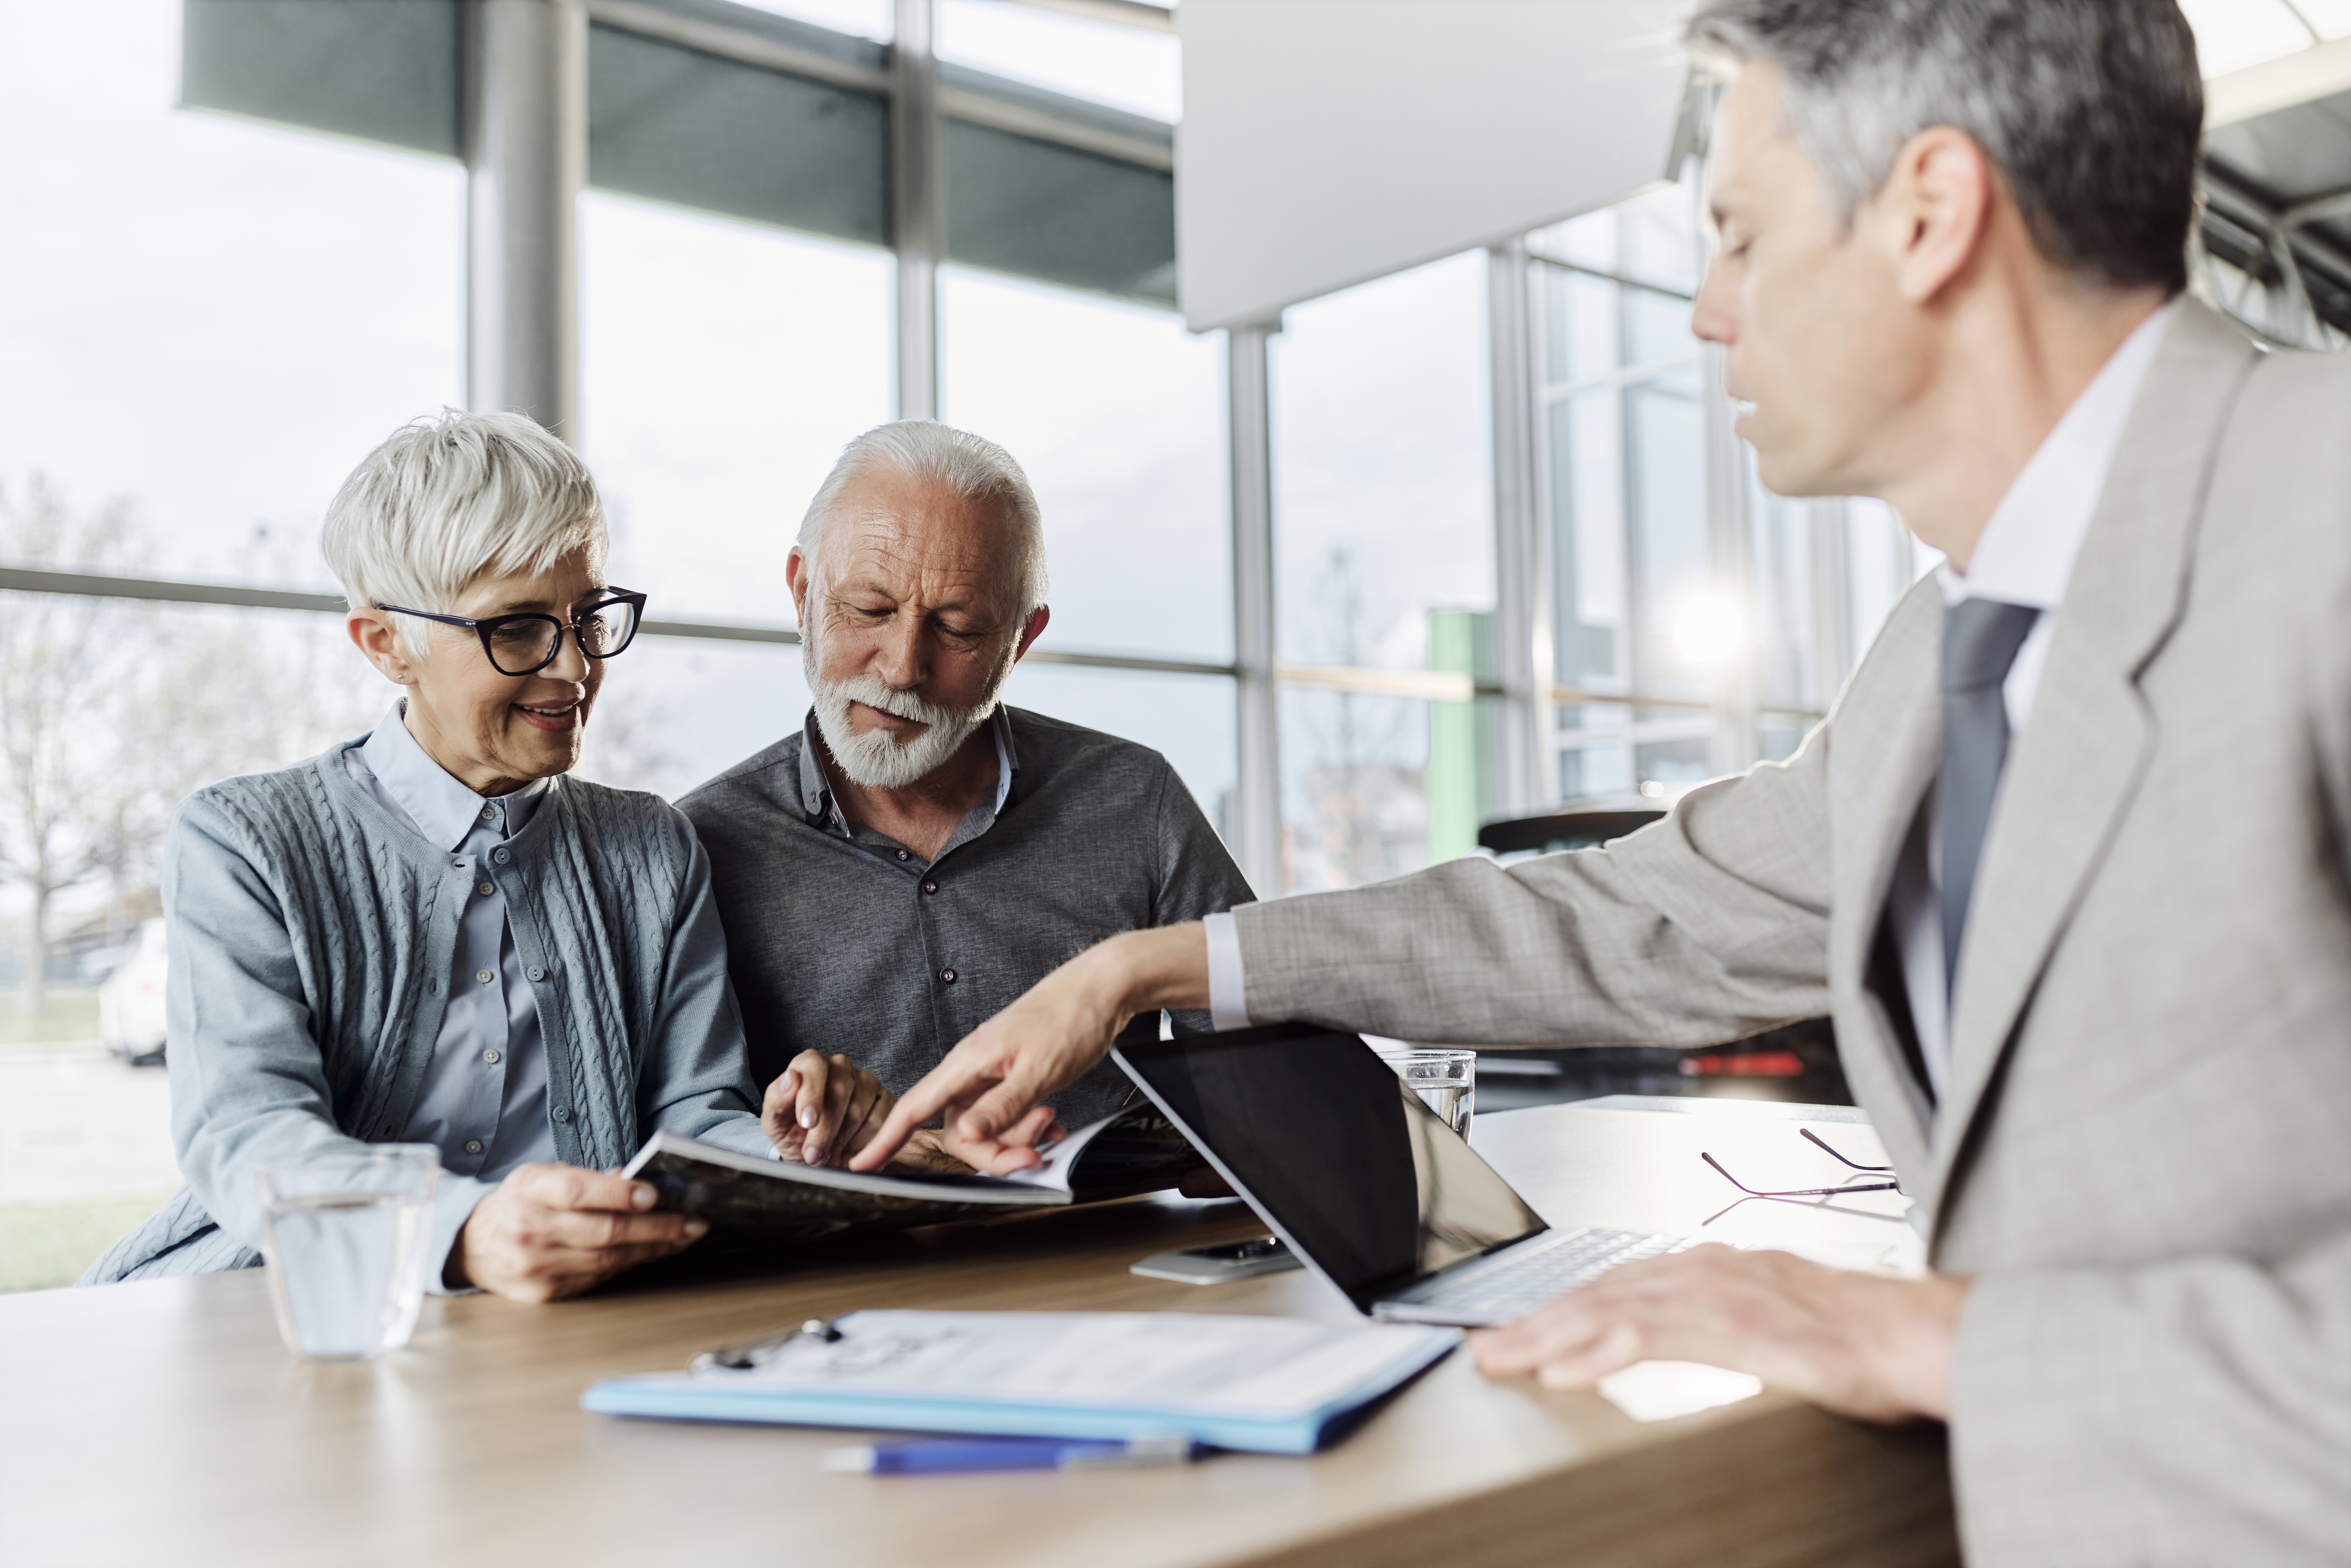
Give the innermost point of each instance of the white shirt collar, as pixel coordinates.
(2027, 552)
(443, 811)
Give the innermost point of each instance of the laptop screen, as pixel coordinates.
(1363, 1181)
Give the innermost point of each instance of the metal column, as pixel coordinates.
(1523, 577)
(918, 222)
(527, 155)
(1255, 820)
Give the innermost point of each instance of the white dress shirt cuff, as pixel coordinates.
(1228, 996)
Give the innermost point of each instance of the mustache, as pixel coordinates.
(875, 693)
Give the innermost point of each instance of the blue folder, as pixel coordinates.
(718, 1394)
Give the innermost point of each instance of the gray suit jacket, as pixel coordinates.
(2145, 1157)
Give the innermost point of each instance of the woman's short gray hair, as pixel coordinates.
(451, 499)
(2093, 110)
(968, 466)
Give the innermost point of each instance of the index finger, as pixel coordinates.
(944, 1086)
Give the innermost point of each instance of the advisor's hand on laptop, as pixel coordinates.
(988, 1086)
(1860, 1344)
(823, 1108)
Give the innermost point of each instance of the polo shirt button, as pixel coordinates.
(484, 975)
(490, 1056)
(487, 889)
(473, 1145)
(929, 886)
(502, 854)
(536, 973)
(563, 1113)
(947, 976)
(903, 855)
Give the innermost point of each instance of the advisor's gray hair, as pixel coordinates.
(968, 466)
(451, 499)
(2093, 110)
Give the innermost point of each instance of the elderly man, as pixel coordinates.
(916, 855)
(2097, 1017)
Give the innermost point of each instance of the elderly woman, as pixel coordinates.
(432, 935)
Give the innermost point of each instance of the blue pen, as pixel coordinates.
(948, 1456)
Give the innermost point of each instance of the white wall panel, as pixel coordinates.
(1325, 142)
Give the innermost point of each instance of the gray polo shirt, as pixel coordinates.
(844, 940)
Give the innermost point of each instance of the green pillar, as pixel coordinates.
(1457, 736)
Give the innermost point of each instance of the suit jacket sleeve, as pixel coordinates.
(1196, 875)
(1709, 925)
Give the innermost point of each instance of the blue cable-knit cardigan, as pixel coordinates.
(311, 938)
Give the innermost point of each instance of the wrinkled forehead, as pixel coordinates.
(921, 541)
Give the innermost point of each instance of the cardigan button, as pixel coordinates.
(502, 854)
(563, 1113)
(947, 976)
(536, 973)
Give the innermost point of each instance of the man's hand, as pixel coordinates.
(551, 1230)
(988, 1086)
(823, 1108)
(1860, 1344)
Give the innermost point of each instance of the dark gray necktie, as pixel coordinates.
(1981, 637)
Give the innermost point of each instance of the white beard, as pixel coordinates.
(878, 760)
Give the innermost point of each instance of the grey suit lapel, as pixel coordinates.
(2089, 739)
(1888, 805)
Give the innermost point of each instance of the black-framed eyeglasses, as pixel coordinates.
(525, 644)
(1850, 1185)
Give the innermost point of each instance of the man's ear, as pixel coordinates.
(374, 634)
(795, 577)
(1031, 632)
(1933, 209)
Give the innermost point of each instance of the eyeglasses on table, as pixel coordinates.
(1850, 1185)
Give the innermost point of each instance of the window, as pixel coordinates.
(1383, 561)
(1689, 638)
(205, 319)
(1116, 412)
(1382, 467)
(1134, 68)
(723, 367)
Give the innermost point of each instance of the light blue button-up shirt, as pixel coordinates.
(483, 1100)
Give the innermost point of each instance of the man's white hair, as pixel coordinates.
(451, 499)
(970, 466)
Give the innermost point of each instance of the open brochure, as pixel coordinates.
(1137, 1150)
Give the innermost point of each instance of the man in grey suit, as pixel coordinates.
(2068, 864)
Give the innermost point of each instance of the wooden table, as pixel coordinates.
(162, 1423)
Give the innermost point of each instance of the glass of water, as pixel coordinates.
(1446, 1080)
(344, 1234)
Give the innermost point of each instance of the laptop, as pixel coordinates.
(1372, 1189)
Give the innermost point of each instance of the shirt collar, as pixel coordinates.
(816, 789)
(443, 811)
(2027, 552)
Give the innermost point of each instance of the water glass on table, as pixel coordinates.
(344, 1235)
(1446, 1080)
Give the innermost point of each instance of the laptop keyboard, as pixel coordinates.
(1517, 1282)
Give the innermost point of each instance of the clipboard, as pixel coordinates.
(1264, 1385)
